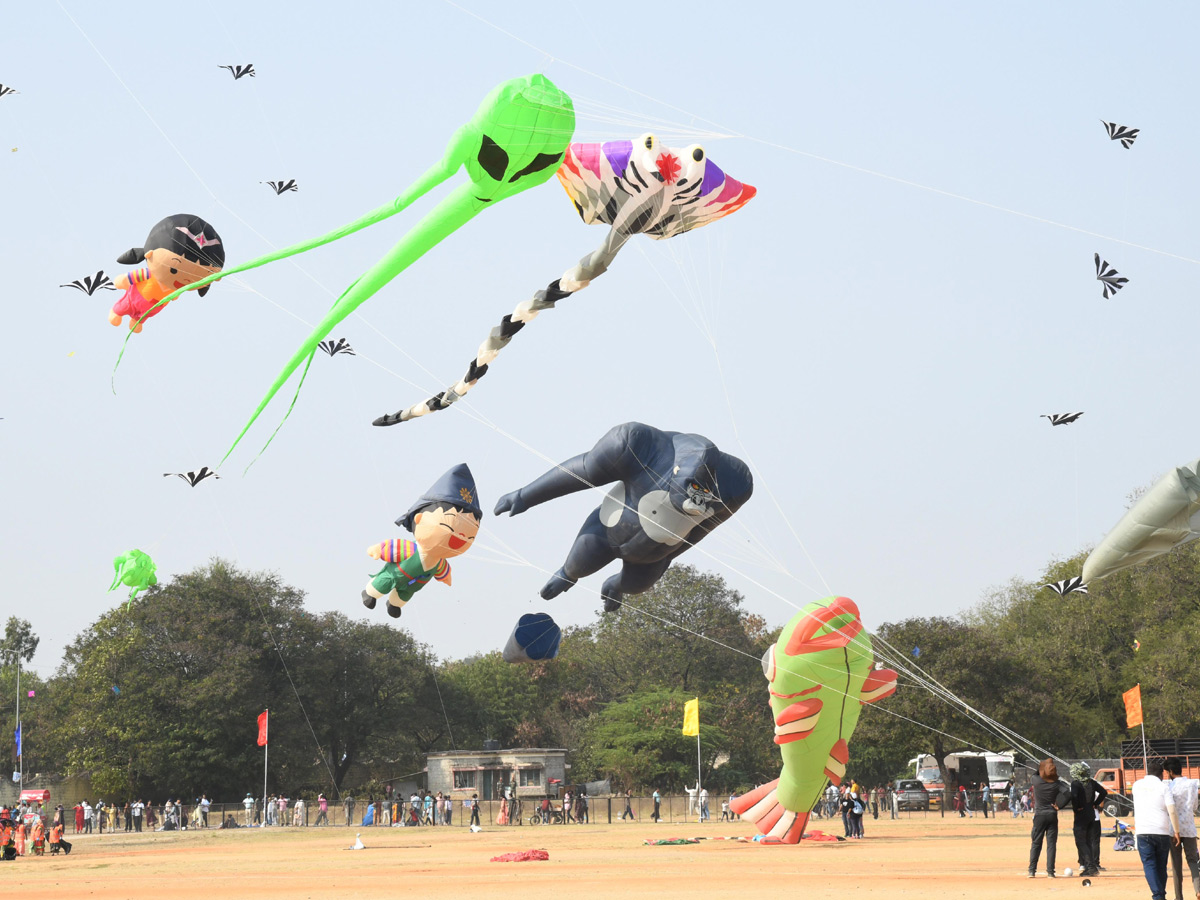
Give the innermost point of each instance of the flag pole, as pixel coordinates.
(266, 744)
(700, 817)
(1145, 761)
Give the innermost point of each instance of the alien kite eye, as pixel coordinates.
(649, 142)
(540, 162)
(698, 154)
(493, 158)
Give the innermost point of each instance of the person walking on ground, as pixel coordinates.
(1050, 795)
(1184, 792)
(1014, 799)
(844, 802)
(657, 798)
(704, 805)
(348, 805)
(1086, 797)
(1156, 824)
(628, 812)
(985, 799)
(450, 811)
(78, 818)
(582, 815)
(322, 810)
(474, 809)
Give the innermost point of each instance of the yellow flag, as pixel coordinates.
(691, 717)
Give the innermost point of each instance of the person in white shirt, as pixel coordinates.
(1157, 826)
(703, 804)
(136, 809)
(205, 803)
(1184, 791)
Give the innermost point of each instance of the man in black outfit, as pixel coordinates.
(1086, 797)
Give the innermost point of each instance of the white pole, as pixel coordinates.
(266, 744)
(701, 812)
(21, 757)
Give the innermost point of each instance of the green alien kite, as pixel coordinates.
(134, 570)
(515, 141)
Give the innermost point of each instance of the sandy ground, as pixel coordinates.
(919, 857)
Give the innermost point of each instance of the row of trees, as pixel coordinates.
(162, 697)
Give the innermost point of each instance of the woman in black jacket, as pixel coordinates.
(1049, 796)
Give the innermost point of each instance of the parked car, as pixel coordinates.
(911, 794)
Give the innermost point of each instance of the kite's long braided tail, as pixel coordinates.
(574, 280)
(496, 341)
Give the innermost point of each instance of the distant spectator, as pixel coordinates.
(248, 805)
(348, 803)
(322, 810)
(628, 813)
(657, 798)
(474, 809)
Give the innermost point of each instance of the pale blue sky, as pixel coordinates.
(882, 349)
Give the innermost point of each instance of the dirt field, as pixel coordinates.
(920, 857)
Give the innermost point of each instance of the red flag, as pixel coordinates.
(262, 728)
(1133, 706)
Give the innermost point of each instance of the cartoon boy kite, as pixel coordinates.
(444, 523)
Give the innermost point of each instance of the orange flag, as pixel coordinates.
(262, 728)
(1133, 706)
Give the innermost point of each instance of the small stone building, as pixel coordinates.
(461, 773)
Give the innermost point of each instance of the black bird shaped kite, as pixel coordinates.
(238, 71)
(92, 283)
(193, 478)
(333, 348)
(6, 90)
(1112, 280)
(280, 186)
(1068, 586)
(1062, 418)
(1122, 133)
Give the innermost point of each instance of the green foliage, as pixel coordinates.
(19, 639)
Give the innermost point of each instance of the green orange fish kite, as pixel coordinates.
(515, 141)
(820, 673)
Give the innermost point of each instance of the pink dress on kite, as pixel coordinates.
(140, 299)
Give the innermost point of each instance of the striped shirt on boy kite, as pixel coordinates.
(397, 550)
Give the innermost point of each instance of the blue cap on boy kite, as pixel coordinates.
(455, 488)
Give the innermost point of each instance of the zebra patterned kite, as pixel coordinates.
(515, 141)
(1165, 517)
(1062, 418)
(92, 283)
(1122, 133)
(280, 186)
(193, 478)
(240, 71)
(819, 674)
(1073, 585)
(1109, 277)
(634, 187)
(333, 348)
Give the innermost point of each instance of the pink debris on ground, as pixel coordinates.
(522, 856)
